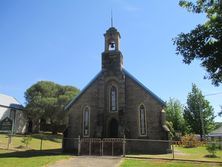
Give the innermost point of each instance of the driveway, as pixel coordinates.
(89, 161)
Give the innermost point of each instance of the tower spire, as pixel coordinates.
(111, 18)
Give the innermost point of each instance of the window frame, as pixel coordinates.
(139, 120)
(110, 99)
(83, 121)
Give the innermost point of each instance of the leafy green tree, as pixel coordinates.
(174, 114)
(46, 100)
(198, 114)
(205, 41)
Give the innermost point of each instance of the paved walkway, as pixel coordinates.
(89, 161)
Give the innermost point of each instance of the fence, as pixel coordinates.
(30, 142)
(139, 148)
(116, 146)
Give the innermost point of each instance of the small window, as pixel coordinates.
(86, 121)
(142, 120)
(113, 98)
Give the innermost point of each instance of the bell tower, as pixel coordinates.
(112, 40)
(112, 59)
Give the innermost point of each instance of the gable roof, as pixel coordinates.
(217, 132)
(144, 87)
(83, 90)
(9, 102)
(128, 75)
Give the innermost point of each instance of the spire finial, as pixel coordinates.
(111, 17)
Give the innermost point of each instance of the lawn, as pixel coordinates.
(163, 163)
(49, 142)
(29, 158)
(198, 153)
(20, 156)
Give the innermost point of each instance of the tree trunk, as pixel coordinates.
(35, 126)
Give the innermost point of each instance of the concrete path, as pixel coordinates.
(89, 161)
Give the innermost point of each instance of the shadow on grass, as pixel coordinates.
(32, 153)
(50, 137)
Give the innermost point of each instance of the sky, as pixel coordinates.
(62, 41)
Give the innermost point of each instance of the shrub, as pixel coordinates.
(26, 140)
(190, 141)
(212, 148)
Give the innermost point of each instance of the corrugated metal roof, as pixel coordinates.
(216, 132)
(9, 101)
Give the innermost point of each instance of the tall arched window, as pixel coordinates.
(113, 98)
(142, 120)
(86, 121)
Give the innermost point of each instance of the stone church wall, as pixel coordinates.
(136, 95)
(75, 123)
(88, 98)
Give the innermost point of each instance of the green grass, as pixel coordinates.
(198, 153)
(162, 163)
(28, 158)
(48, 142)
(19, 156)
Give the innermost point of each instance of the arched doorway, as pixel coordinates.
(113, 128)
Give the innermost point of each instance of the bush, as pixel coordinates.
(212, 148)
(26, 140)
(190, 141)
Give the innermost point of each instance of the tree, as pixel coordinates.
(170, 127)
(174, 114)
(220, 113)
(46, 100)
(205, 41)
(198, 114)
(212, 147)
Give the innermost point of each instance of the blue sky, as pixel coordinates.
(62, 41)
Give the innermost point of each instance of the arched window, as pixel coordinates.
(113, 98)
(86, 121)
(142, 120)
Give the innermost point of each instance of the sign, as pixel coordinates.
(6, 124)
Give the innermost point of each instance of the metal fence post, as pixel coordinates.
(112, 148)
(102, 148)
(41, 143)
(62, 143)
(172, 148)
(9, 140)
(79, 145)
(124, 146)
(89, 146)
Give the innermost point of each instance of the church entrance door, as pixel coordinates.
(113, 128)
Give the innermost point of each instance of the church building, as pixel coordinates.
(115, 104)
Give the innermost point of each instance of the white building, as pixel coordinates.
(11, 108)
